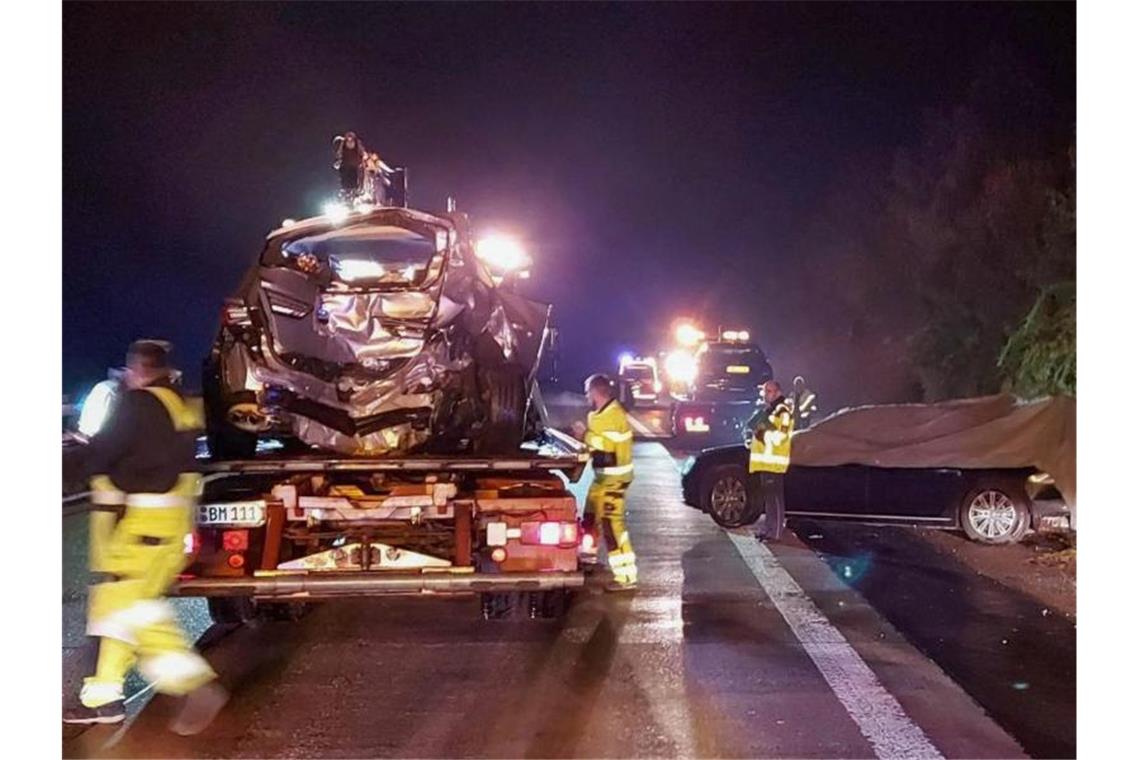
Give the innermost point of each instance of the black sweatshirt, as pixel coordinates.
(137, 447)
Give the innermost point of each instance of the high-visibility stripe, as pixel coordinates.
(158, 500)
(123, 624)
(618, 437)
(98, 693)
(595, 441)
(103, 491)
(624, 469)
(111, 628)
(766, 458)
(108, 498)
(622, 559)
(175, 671)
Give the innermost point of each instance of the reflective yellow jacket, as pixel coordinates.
(611, 441)
(772, 440)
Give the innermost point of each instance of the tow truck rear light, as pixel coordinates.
(235, 540)
(550, 533)
(236, 561)
(499, 554)
(588, 544)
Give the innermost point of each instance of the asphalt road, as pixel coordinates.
(728, 649)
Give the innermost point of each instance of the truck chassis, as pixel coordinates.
(275, 533)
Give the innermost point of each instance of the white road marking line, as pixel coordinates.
(639, 426)
(879, 716)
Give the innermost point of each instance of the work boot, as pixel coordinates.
(615, 586)
(199, 708)
(80, 714)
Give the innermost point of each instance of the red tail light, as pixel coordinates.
(236, 561)
(588, 542)
(235, 540)
(550, 533)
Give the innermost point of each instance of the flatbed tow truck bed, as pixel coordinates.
(311, 527)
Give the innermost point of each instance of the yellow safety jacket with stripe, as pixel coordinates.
(610, 439)
(771, 449)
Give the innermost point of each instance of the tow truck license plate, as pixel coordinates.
(243, 513)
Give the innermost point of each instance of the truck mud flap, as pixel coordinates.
(355, 584)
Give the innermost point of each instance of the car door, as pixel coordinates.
(925, 494)
(839, 491)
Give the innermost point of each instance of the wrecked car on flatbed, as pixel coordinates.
(374, 332)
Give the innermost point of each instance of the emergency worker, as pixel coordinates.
(770, 455)
(349, 164)
(608, 435)
(144, 490)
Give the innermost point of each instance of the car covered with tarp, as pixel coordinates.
(978, 464)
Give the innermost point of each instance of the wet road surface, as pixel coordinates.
(727, 649)
(1014, 655)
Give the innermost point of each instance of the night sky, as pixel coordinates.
(658, 159)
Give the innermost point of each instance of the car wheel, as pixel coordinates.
(995, 514)
(725, 497)
(224, 440)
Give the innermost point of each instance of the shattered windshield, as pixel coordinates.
(364, 254)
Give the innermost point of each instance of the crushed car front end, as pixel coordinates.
(370, 335)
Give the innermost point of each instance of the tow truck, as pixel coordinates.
(729, 372)
(275, 533)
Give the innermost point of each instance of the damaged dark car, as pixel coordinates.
(377, 332)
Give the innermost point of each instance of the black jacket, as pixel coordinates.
(137, 447)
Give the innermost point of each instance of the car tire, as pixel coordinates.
(995, 513)
(224, 440)
(726, 497)
(505, 393)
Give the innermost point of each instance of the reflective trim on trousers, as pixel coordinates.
(619, 437)
(123, 624)
(175, 671)
(98, 693)
(622, 559)
(624, 469)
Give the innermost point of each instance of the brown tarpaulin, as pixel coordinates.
(992, 431)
